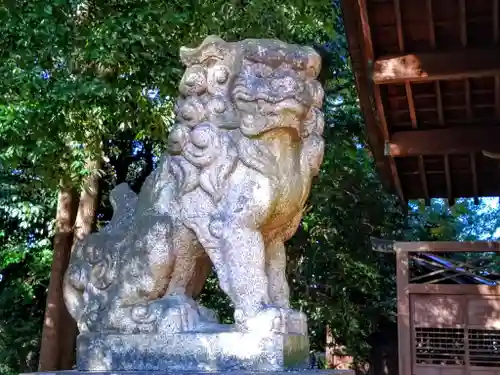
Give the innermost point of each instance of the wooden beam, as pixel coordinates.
(430, 19)
(463, 22)
(390, 246)
(383, 122)
(439, 102)
(463, 289)
(433, 66)
(475, 181)
(496, 15)
(468, 103)
(447, 246)
(358, 33)
(423, 180)
(497, 96)
(359, 52)
(456, 140)
(411, 105)
(399, 25)
(365, 30)
(449, 184)
(404, 311)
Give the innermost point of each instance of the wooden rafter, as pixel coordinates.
(358, 49)
(430, 19)
(447, 246)
(497, 96)
(449, 185)
(463, 22)
(423, 180)
(468, 104)
(411, 105)
(496, 26)
(369, 55)
(454, 289)
(439, 102)
(399, 25)
(475, 182)
(421, 162)
(389, 246)
(421, 67)
(383, 121)
(456, 140)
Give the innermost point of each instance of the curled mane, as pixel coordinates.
(232, 93)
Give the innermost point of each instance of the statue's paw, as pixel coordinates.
(274, 319)
(166, 315)
(208, 315)
(293, 322)
(267, 319)
(183, 314)
(177, 300)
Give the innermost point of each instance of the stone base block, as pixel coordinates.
(303, 372)
(217, 351)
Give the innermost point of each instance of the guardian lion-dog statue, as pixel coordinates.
(232, 186)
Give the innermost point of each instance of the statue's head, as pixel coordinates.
(254, 85)
(276, 88)
(233, 94)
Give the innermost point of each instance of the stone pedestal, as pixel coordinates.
(278, 341)
(304, 372)
(219, 351)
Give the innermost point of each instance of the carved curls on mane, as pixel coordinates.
(234, 92)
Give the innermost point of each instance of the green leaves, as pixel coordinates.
(26, 213)
(465, 221)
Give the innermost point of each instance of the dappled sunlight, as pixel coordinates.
(448, 307)
(398, 68)
(484, 313)
(437, 311)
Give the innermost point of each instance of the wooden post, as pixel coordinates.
(404, 336)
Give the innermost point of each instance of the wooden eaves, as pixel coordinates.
(428, 78)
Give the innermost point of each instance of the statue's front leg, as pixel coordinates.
(239, 261)
(186, 250)
(279, 292)
(276, 261)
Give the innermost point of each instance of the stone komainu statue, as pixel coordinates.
(232, 185)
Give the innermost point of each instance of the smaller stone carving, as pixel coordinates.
(117, 278)
(232, 185)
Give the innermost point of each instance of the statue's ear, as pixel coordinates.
(209, 47)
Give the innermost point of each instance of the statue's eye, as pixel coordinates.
(210, 62)
(262, 70)
(221, 75)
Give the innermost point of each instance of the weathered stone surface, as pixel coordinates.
(242, 372)
(221, 348)
(192, 352)
(232, 185)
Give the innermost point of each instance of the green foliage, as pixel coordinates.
(86, 78)
(465, 221)
(26, 214)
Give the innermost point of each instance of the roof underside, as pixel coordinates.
(428, 77)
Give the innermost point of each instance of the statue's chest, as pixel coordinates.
(291, 185)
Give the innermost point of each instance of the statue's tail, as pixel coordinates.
(124, 202)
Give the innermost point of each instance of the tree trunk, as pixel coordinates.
(55, 308)
(74, 221)
(84, 225)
